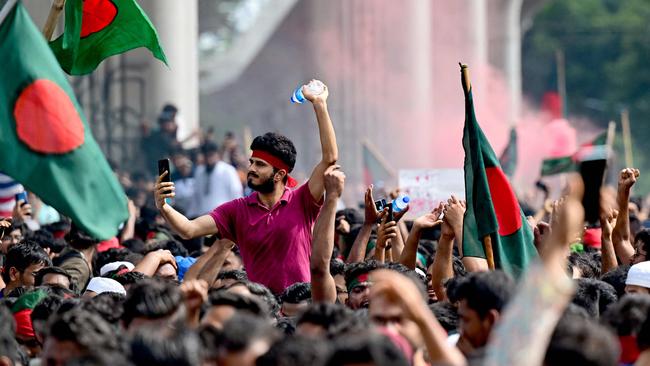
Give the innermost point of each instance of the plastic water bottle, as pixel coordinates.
(315, 86)
(400, 203)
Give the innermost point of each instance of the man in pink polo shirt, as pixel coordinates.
(273, 226)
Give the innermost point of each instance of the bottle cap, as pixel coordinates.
(406, 199)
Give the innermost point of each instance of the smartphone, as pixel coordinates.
(380, 204)
(163, 166)
(390, 213)
(592, 173)
(21, 196)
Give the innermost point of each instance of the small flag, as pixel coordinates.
(47, 143)
(594, 150)
(97, 29)
(375, 170)
(492, 207)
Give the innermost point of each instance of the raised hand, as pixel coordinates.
(627, 178)
(386, 231)
(22, 210)
(454, 211)
(315, 98)
(334, 180)
(371, 214)
(607, 222)
(432, 219)
(163, 190)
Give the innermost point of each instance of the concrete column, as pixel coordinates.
(178, 27)
(513, 57)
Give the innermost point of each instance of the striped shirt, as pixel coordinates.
(8, 190)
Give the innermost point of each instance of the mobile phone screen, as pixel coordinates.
(163, 166)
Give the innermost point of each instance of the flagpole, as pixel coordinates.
(53, 18)
(489, 253)
(6, 9)
(627, 138)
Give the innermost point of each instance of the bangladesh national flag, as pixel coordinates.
(46, 142)
(492, 207)
(98, 29)
(374, 169)
(508, 159)
(593, 150)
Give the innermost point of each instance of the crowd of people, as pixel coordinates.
(233, 262)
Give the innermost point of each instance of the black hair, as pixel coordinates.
(38, 280)
(447, 315)
(174, 246)
(237, 301)
(366, 348)
(581, 342)
(587, 263)
(79, 239)
(151, 299)
(130, 278)
(643, 336)
(9, 347)
(626, 316)
(235, 274)
(23, 255)
(243, 329)
(594, 295)
(358, 323)
(337, 267)
(108, 305)
(169, 108)
(294, 351)
(485, 291)
(296, 293)
(286, 326)
(351, 215)
(109, 256)
(210, 337)
(616, 277)
(328, 316)
(458, 267)
(149, 347)
(45, 239)
(354, 270)
(209, 147)
(264, 294)
(87, 330)
(277, 145)
(644, 237)
(135, 245)
(48, 306)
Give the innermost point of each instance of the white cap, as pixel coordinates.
(639, 275)
(110, 267)
(100, 285)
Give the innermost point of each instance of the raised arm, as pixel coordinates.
(219, 250)
(187, 229)
(409, 254)
(621, 237)
(323, 287)
(608, 254)
(358, 250)
(386, 233)
(329, 149)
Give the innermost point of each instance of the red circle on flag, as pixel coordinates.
(504, 200)
(96, 15)
(47, 120)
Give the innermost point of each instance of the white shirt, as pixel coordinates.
(212, 189)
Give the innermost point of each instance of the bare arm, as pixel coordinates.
(150, 263)
(323, 287)
(213, 266)
(442, 268)
(409, 254)
(621, 234)
(187, 229)
(358, 250)
(608, 254)
(385, 234)
(129, 227)
(329, 149)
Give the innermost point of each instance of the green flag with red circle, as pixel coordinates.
(97, 29)
(492, 207)
(47, 143)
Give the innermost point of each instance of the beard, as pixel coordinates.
(267, 185)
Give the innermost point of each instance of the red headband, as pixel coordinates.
(276, 163)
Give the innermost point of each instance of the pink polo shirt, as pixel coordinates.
(275, 244)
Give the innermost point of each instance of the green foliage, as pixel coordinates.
(607, 48)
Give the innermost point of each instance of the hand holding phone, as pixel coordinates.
(164, 186)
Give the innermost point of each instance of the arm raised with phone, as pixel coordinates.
(186, 228)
